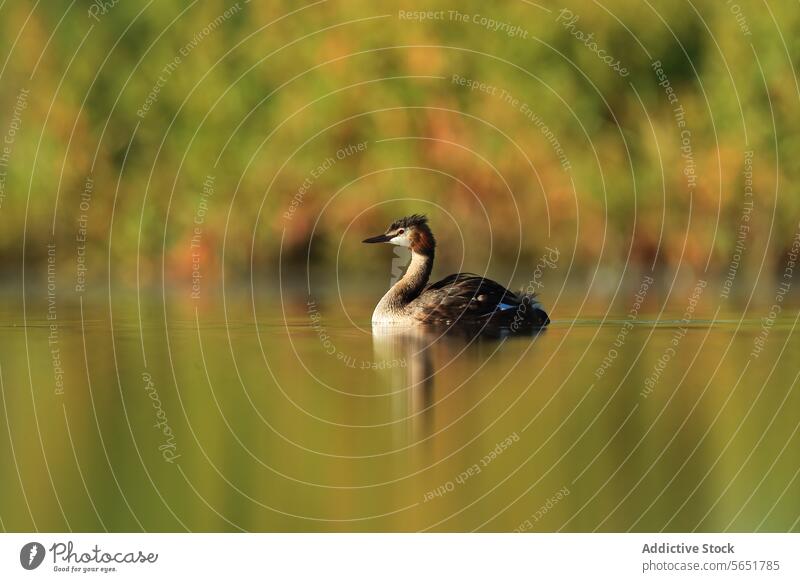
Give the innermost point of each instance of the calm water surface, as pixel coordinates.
(174, 416)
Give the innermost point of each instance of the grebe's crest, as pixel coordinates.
(412, 232)
(408, 222)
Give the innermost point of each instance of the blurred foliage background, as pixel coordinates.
(262, 95)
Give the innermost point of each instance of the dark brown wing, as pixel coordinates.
(462, 296)
(470, 299)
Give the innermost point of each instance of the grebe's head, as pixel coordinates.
(411, 231)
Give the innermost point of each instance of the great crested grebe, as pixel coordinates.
(462, 298)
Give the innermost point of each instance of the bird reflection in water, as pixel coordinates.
(416, 353)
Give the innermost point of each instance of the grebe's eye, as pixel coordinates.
(401, 231)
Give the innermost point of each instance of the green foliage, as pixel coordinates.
(275, 89)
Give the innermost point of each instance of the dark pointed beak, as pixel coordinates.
(377, 239)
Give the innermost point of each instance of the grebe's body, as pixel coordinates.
(462, 298)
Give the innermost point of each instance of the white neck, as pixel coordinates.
(391, 306)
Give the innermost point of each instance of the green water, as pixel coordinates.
(139, 413)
